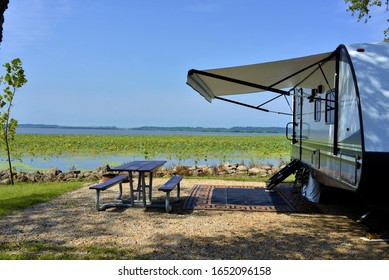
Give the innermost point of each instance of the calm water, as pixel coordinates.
(75, 131)
(92, 162)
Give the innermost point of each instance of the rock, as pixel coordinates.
(193, 168)
(276, 169)
(34, 176)
(254, 171)
(49, 177)
(60, 177)
(52, 171)
(267, 167)
(231, 171)
(71, 175)
(22, 177)
(208, 171)
(202, 167)
(5, 182)
(242, 168)
(228, 166)
(54, 174)
(262, 173)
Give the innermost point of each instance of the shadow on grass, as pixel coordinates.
(46, 250)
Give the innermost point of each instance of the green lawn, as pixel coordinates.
(21, 195)
(45, 251)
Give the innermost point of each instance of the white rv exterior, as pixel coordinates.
(340, 116)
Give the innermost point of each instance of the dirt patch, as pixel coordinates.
(71, 220)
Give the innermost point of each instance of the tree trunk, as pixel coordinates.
(3, 7)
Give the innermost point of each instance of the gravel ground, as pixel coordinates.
(72, 220)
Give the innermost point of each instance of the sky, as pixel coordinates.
(124, 62)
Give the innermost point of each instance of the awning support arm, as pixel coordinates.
(232, 80)
(306, 68)
(325, 77)
(250, 106)
(270, 100)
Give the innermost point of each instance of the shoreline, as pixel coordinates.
(54, 174)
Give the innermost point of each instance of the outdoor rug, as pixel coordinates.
(283, 199)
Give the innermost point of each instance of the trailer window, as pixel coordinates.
(330, 107)
(299, 101)
(317, 113)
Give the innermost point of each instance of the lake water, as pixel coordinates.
(91, 131)
(92, 162)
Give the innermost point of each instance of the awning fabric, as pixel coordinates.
(270, 76)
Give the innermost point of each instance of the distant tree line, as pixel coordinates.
(236, 129)
(245, 129)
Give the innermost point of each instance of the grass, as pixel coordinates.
(45, 251)
(22, 195)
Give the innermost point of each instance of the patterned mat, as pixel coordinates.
(283, 199)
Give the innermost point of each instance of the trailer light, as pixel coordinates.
(360, 50)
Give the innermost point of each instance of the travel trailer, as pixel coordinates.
(339, 128)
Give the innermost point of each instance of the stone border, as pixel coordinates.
(53, 174)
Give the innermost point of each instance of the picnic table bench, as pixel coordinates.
(168, 187)
(118, 180)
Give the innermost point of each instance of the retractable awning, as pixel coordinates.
(272, 76)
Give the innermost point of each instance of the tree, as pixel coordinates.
(362, 7)
(13, 80)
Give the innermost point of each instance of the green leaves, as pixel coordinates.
(13, 80)
(15, 74)
(362, 7)
(179, 147)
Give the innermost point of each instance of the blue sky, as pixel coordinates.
(124, 62)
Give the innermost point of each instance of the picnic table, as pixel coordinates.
(144, 169)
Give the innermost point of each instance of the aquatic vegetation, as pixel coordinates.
(179, 147)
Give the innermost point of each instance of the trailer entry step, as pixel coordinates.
(283, 174)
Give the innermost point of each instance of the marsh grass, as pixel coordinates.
(179, 147)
